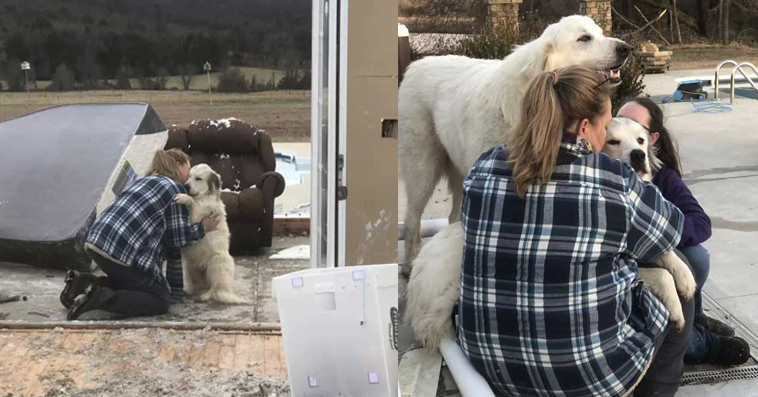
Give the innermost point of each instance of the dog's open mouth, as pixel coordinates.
(613, 75)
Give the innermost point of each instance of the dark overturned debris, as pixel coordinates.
(10, 298)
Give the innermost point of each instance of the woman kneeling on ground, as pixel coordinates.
(130, 240)
(712, 341)
(550, 301)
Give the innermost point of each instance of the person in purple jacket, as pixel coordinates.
(711, 340)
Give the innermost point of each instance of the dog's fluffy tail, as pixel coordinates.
(229, 297)
(434, 286)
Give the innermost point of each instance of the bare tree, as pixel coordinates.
(627, 8)
(726, 5)
(702, 17)
(187, 72)
(671, 26)
(721, 21)
(675, 23)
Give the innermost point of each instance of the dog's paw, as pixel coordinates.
(406, 270)
(182, 198)
(683, 278)
(685, 283)
(676, 319)
(661, 283)
(205, 297)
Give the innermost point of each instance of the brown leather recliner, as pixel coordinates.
(244, 158)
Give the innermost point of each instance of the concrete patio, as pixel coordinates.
(719, 152)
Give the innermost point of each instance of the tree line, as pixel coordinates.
(685, 21)
(119, 40)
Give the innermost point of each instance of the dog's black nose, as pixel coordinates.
(623, 49)
(637, 156)
(187, 187)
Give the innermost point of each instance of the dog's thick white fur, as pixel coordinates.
(453, 108)
(207, 265)
(630, 142)
(434, 285)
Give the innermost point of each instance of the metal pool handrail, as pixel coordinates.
(716, 80)
(749, 80)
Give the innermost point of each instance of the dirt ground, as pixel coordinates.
(709, 56)
(141, 363)
(148, 362)
(284, 115)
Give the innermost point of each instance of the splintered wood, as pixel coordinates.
(32, 361)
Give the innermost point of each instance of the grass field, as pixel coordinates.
(285, 115)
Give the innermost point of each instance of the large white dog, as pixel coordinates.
(208, 267)
(453, 108)
(434, 283)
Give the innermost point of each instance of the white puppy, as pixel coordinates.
(434, 285)
(208, 267)
(630, 142)
(453, 108)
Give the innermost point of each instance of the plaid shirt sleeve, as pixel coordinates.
(656, 224)
(179, 231)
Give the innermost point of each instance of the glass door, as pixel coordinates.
(326, 129)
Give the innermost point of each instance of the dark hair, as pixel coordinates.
(666, 148)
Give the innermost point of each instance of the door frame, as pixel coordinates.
(328, 132)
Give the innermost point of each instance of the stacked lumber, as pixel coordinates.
(652, 59)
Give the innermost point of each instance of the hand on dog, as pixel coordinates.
(182, 198)
(210, 222)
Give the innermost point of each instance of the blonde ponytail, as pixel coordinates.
(553, 101)
(533, 144)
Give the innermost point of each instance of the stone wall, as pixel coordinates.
(503, 12)
(599, 11)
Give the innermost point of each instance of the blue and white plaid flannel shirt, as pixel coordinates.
(550, 302)
(144, 224)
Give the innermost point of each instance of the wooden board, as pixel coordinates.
(654, 59)
(33, 360)
(654, 54)
(663, 62)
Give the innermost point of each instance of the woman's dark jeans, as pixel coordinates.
(664, 375)
(700, 261)
(129, 292)
(704, 345)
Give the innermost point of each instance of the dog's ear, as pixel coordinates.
(550, 59)
(652, 154)
(214, 182)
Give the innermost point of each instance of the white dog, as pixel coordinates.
(453, 108)
(208, 267)
(630, 142)
(434, 286)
